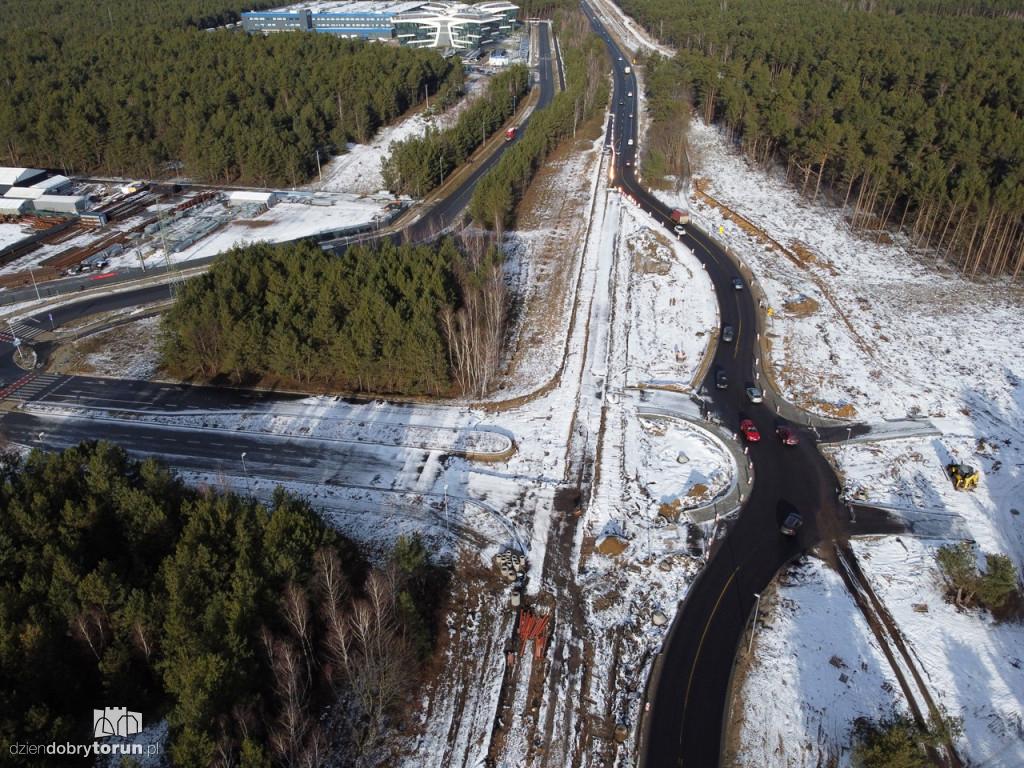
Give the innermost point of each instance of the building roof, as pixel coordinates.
(53, 181)
(9, 205)
(18, 175)
(382, 7)
(23, 193)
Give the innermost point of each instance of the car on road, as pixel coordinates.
(728, 334)
(787, 435)
(630, 142)
(679, 229)
(737, 283)
(749, 430)
(721, 380)
(755, 395)
(791, 524)
(630, 94)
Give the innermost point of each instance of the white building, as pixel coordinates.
(12, 206)
(61, 204)
(243, 197)
(455, 25)
(55, 185)
(9, 177)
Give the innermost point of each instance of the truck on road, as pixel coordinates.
(680, 216)
(510, 133)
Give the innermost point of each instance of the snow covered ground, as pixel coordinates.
(877, 331)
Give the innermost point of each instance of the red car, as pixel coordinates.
(787, 435)
(749, 430)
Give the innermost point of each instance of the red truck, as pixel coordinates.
(680, 216)
(510, 133)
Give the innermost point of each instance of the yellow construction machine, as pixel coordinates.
(964, 477)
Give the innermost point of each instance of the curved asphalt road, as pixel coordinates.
(689, 691)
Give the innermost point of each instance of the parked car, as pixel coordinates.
(787, 435)
(721, 380)
(728, 334)
(755, 395)
(749, 430)
(737, 283)
(791, 524)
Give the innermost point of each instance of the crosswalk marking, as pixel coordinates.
(29, 386)
(23, 331)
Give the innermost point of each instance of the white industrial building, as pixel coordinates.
(60, 204)
(422, 23)
(14, 206)
(10, 177)
(55, 185)
(455, 25)
(25, 193)
(242, 197)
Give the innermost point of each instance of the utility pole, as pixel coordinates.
(245, 470)
(753, 627)
(34, 283)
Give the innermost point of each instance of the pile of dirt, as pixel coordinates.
(802, 306)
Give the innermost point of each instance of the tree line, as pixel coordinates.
(219, 105)
(388, 318)
(418, 164)
(908, 114)
(237, 621)
(586, 65)
(81, 20)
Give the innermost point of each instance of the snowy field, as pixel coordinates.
(886, 339)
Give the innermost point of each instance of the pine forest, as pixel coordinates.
(907, 114)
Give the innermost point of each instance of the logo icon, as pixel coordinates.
(115, 721)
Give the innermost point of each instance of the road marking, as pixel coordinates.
(700, 645)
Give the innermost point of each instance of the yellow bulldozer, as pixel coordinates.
(964, 477)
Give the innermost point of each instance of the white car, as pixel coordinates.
(755, 395)
(630, 142)
(679, 229)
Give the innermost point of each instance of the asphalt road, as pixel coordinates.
(272, 458)
(689, 691)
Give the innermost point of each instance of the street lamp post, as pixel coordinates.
(34, 283)
(245, 471)
(753, 627)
